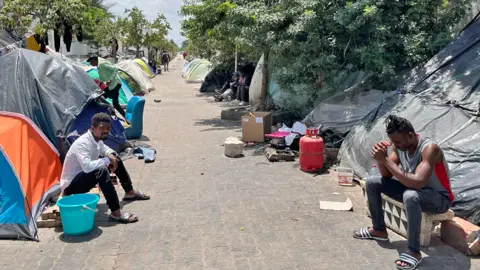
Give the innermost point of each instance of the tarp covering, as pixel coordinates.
(30, 172)
(135, 71)
(442, 102)
(7, 38)
(345, 110)
(46, 90)
(116, 139)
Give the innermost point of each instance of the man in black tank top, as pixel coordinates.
(414, 173)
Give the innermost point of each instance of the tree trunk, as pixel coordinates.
(114, 50)
(137, 53)
(264, 90)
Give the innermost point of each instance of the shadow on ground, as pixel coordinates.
(434, 255)
(101, 221)
(218, 124)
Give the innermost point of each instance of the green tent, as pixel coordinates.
(131, 82)
(198, 71)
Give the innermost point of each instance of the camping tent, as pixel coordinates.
(189, 67)
(116, 139)
(46, 90)
(136, 73)
(198, 72)
(185, 67)
(442, 103)
(144, 67)
(145, 60)
(296, 99)
(125, 92)
(30, 170)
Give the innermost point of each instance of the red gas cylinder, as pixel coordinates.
(311, 151)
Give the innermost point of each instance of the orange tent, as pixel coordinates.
(30, 171)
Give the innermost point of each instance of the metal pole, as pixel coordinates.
(236, 58)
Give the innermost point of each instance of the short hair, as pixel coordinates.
(94, 57)
(99, 118)
(395, 123)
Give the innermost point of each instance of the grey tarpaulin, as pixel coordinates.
(345, 110)
(46, 90)
(442, 102)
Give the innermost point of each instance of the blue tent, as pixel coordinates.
(116, 140)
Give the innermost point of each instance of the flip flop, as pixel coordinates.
(410, 260)
(364, 234)
(125, 218)
(139, 196)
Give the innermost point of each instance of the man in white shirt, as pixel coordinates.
(89, 162)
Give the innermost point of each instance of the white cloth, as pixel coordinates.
(84, 156)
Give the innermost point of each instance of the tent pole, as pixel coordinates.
(236, 58)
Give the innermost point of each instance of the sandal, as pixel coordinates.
(408, 259)
(139, 196)
(364, 234)
(125, 218)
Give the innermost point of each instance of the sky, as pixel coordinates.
(151, 8)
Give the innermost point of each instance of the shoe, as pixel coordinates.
(235, 102)
(243, 103)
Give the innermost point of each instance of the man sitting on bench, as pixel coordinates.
(421, 183)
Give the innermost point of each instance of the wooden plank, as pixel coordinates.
(49, 223)
(51, 212)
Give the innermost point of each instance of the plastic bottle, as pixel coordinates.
(373, 171)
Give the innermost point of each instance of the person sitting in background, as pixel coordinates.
(242, 97)
(421, 182)
(229, 89)
(89, 162)
(108, 74)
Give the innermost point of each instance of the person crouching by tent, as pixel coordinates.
(229, 89)
(89, 162)
(108, 74)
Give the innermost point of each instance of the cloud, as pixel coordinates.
(151, 8)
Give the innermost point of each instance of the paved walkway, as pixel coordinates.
(201, 200)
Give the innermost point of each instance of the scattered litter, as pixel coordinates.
(274, 155)
(337, 202)
(345, 176)
(336, 193)
(202, 173)
(157, 100)
(242, 229)
(295, 219)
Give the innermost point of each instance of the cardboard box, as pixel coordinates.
(255, 126)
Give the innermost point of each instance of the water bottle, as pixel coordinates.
(373, 171)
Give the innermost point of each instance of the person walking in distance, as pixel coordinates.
(165, 60)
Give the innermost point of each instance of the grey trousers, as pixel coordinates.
(415, 201)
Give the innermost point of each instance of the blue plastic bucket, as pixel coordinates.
(78, 213)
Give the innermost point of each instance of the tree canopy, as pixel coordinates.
(312, 41)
